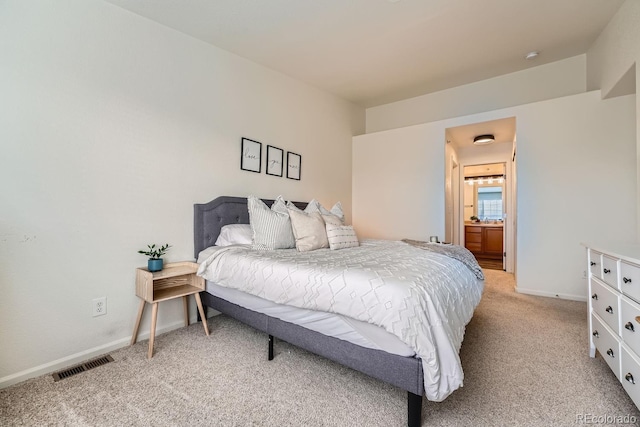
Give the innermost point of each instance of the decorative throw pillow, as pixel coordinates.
(270, 228)
(332, 219)
(336, 210)
(234, 234)
(341, 236)
(309, 230)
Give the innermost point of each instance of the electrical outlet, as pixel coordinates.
(99, 306)
(584, 274)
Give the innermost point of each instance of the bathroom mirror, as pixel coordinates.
(484, 192)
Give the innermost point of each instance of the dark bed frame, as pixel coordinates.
(403, 372)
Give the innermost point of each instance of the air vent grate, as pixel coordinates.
(74, 370)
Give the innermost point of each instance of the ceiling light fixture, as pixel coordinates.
(531, 55)
(483, 139)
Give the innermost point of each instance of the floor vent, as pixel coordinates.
(74, 370)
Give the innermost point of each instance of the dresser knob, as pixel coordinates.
(609, 310)
(629, 326)
(592, 263)
(595, 334)
(610, 352)
(629, 378)
(607, 271)
(626, 280)
(594, 296)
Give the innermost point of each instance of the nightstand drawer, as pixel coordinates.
(605, 304)
(607, 344)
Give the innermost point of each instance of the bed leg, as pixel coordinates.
(414, 410)
(270, 347)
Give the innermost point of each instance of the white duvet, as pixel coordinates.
(423, 298)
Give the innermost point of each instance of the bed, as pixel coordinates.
(359, 345)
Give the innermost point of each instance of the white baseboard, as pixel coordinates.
(82, 356)
(551, 294)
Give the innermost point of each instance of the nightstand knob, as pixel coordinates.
(609, 310)
(629, 378)
(594, 296)
(610, 352)
(626, 280)
(595, 334)
(629, 326)
(607, 271)
(592, 263)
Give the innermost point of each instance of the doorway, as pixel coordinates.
(480, 183)
(484, 213)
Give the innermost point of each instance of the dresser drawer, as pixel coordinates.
(630, 375)
(630, 325)
(605, 303)
(595, 263)
(630, 280)
(607, 344)
(610, 271)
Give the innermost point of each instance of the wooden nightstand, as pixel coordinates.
(175, 280)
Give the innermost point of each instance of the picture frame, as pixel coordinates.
(251, 155)
(294, 165)
(275, 161)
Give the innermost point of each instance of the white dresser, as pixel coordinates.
(614, 311)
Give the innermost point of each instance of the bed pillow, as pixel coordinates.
(270, 228)
(308, 230)
(341, 236)
(336, 210)
(235, 234)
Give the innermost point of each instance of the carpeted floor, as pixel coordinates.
(525, 360)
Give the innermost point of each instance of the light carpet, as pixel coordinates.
(525, 360)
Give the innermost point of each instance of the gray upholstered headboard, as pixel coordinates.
(209, 218)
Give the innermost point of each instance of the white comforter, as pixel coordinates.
(424, 298)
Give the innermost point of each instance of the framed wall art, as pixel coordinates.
(251, 155)
(294, 163)
(275, 160)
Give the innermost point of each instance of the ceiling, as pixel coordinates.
(373, 52)
(504, 131)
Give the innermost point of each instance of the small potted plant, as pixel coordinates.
(474, 219)
(155, 253)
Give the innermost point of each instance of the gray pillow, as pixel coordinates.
(271, 228)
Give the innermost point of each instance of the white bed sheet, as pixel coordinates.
(334, 325)
(423, 298)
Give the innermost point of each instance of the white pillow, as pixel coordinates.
(336, 210)
(341, 236)
(309, 230)
(270, 228)
(332, 219)
(234, 234)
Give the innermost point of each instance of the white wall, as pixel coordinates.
(553, 80)
(613, 59)
(398, 183)
(111, 128)
(576, 182)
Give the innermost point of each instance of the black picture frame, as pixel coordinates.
(251, 155)
(275, 161)
(294, 165)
